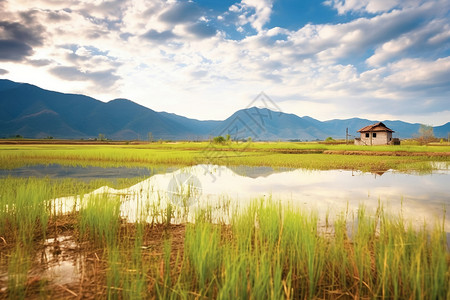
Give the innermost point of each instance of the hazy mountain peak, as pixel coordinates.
(33, 112)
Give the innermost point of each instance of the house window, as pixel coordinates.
(367, 135)
(374, 135)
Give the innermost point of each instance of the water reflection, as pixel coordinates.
(226, 190)
(57, 171)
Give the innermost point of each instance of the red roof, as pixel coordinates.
(377, 127)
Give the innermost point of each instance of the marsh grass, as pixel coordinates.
(100, 219)
(267, 250)
(18, 267)
(24, 209)
(275, 253)
(255, 154)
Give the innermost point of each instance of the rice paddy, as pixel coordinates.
(292, 155)
(267, 250)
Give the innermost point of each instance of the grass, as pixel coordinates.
(264, 251)
(267, 251)
(293, 155)
(24, 210)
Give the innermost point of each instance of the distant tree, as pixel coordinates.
(426, 134)
(329, 139)
(150, 137)
(18, 136)
(249, 139)
(101, 137)
(218, 140)
(228, 138)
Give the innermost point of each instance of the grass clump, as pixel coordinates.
(24, 209)
(283, 154)
(267, 251)
(99, 219)
(276, 252)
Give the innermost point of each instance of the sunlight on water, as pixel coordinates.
(226, 190)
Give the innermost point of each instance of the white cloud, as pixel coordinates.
(370, 6)
(254, 12)
(419, 74)
(190, 69)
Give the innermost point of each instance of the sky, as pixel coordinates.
(327, 59)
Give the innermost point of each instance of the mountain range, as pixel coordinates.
(32, 112)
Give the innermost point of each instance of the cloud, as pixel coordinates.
(429, 38)
(181, 49)
(105, 78)
(3, 72)
(355, 40)
(58, 16)
(255, 12)
(157, 36)
(17, 40)
(201, 30)
(370, 6)
(420, 75)
(17, 31)
(181, 12)
(12, 50)
(107, 12)
(39, 62)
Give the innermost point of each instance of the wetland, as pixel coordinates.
(259, 221)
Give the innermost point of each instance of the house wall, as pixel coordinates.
(382, 138)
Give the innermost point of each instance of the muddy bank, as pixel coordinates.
(67, 266)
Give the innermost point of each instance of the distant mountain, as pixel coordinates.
(265, 124)
(442, 131)
(33, 112)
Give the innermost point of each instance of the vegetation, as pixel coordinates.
(266, 251)
(425, 134)
(283, 154)
(219, 140)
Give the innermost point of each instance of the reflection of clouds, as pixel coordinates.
(418, 197)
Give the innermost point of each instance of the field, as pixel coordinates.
(266, 251)
(283, 154)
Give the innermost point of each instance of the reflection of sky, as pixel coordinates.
(419, 197)
(423, 196)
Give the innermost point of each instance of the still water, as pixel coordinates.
(226, 190)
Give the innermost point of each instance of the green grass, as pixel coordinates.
(282, 253)
(251, 154)
(18, 267)
(99, 219)
(267, 251)
(24, 209)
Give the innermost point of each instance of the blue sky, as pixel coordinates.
(376, 59)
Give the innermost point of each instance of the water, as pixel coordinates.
(57, 171)
(420, 198)
(228, 190)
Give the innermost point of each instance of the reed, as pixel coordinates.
(267, 250)
(24, 209)
(18, 267)
(255, 154)
(99, 219)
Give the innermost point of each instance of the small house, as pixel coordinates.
(375, 134)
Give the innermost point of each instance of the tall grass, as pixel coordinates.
(99, 219)
(254, 154)
(18, 267)
(273, 252)
(24, 209)
(267, 251)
